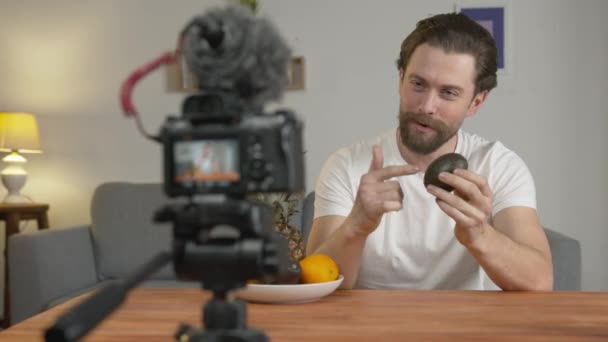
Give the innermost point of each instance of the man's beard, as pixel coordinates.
(419, 142)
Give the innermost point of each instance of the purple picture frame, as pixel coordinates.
(493, 20)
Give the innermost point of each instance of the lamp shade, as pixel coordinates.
(19, 132)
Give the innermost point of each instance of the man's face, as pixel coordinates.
(436, 94)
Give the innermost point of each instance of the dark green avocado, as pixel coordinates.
(290, 277)
(446, 163)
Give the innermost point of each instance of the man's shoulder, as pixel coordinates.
(363, 148)
(356, 157)
(474, 145)
(488, 154)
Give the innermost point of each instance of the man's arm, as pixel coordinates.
(343, 238)
(513, 249)
(332, 235)
(515, 252)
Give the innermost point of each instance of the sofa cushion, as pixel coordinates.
(124, 234)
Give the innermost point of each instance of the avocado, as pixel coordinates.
(290, 276)
(446, 163)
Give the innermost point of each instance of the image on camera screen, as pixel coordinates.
(209, 161)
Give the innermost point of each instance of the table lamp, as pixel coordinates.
(18, 134)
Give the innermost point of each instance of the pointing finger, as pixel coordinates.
(395, 171)
(377, 158)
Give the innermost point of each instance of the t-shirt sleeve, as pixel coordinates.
(334, 194)
(512, 183)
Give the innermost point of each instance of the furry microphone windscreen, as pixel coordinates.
(230, 49)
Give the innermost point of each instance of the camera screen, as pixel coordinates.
(208, 161)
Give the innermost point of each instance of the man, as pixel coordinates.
(373, 214)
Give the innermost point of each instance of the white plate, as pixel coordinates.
(288, 294)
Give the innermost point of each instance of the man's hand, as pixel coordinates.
(470, 205)
(378, 195)
(513, 250)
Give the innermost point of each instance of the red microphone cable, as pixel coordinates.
(128, 85)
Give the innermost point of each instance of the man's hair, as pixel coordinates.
(455, 32)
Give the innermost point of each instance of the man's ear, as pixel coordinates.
(400, 81)
(477, 101)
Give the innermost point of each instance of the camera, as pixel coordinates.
(222, 148)
(216, 147)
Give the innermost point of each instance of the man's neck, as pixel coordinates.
(422, 161)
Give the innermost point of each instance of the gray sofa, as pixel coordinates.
(51, 266)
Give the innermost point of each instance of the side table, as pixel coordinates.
(12, 215)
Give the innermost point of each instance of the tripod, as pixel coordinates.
(222, 264)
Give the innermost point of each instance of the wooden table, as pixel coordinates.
(362, 315)
(12, 215)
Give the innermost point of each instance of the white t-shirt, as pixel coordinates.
(415, 248)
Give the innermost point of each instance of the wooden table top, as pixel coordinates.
(361, 315)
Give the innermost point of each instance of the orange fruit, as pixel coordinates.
(318, 268)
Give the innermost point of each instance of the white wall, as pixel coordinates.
(65, 60)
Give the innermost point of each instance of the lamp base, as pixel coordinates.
(13, 178)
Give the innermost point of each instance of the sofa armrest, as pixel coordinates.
(48, 264)
(566, 253)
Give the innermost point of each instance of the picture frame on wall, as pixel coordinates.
(186, 80)
(493, 15)
(181, 79)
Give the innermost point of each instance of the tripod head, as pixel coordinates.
(224, 241)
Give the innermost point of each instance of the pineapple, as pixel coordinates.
(284, 206)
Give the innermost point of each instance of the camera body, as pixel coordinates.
(218, 147)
